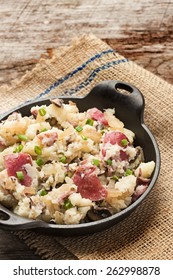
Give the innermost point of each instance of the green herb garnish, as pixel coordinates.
(115, 178)
(84, 137)
(95, 162)
(18, 149)
(63, 159)
(20, 175)
(79, 128)
(42, 112)
(128, 172)
(43, 130)
(22, 137)
(38, 150)
(39, 162)
(67, 204)
(43, 192)
(90, 122)
(109, 162)
(124, 142)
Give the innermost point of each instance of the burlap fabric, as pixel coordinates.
(148, 232)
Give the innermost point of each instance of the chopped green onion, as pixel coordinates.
(109, 162)
(20, 175)
(90, 122)
(79, 128)
(115, 178)
(67, 204)
(95, 162)
(84, 137)
(38, 150)
(102, 132)
(22, 137)
(18, 149)
(42, 112)
(43, 130)
(124, 142)
(128, 172)
(39, 162)
(63, 159)
(43, 192)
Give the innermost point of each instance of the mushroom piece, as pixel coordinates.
(52, 121)
(138, 158)
(9, 201)
(57, 101)
(97, 213)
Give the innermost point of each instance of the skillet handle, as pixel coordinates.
(128, 95)
(132, 94)
(122, 95)
(11, 221)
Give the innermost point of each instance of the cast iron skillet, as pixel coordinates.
(129, 109)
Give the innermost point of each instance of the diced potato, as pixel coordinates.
(59, 218)
(91, 132)
(122, 192)
(113, 122)
(32, 129)
(72, 216)
(77, 200)
(145, 169)
(29, 210)
(9, 130)
(130, 134)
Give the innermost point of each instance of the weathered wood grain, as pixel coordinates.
(140, 30)
(12, 248)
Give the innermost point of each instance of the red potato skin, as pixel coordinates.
(15, 162)
(88, 184)
(116, 138)
(97, 115)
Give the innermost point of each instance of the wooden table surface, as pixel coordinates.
(141, 30)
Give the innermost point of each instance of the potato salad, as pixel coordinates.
(63, 166)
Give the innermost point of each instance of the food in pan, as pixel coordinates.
(69, 167)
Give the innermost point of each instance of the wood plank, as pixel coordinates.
(140, 30)
(12, 248)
